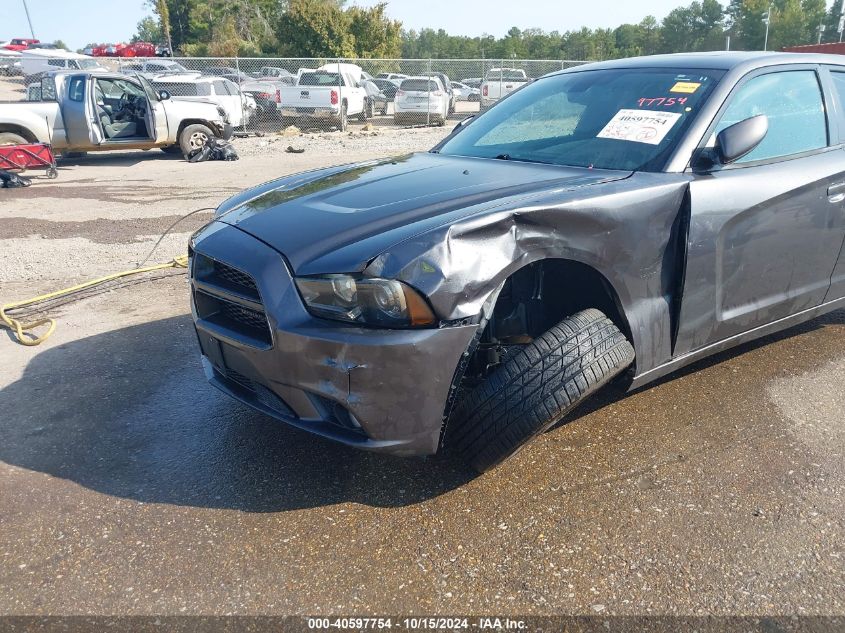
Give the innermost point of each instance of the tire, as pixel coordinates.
(367, 112)
(536, 387)
(10, 138)
(193, 137)
(343, 121)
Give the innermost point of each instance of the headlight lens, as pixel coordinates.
(367, 301)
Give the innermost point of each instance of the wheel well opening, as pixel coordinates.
(541, 294)
(532, 300)
(19, 130)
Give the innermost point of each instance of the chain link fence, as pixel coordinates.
(266, 95)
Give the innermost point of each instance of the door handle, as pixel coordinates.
(836, 193)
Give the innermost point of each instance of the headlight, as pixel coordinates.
(367, 301)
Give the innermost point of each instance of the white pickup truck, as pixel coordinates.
(500, 82)
(325, 95)
(94, 111)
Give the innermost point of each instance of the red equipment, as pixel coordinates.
(30, 156)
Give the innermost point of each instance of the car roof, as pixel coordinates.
(714, 60)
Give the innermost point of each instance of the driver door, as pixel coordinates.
(79, 113)
(157, 115)
(765, 232)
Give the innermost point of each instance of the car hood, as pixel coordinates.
(338, 219)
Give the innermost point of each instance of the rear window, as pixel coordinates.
(319, 79)
(507, 75)
(419, 85)
(178, 90)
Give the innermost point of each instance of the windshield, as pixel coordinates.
(87, 64)
(627, 119)
(174, 67)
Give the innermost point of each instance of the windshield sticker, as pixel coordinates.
(666, 102)
(685, 86)
(640, 126)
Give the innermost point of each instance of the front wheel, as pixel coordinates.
(194, 137)
(536, 387)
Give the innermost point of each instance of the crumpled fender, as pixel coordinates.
(621, 229)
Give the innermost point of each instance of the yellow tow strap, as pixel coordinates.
(24, 331)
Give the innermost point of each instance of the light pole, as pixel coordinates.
(820, 29)
(767, 17)
(28, 19)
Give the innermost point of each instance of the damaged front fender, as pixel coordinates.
(624, 230)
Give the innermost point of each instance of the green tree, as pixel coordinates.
(831, 22)
(697, 27)
(148, 30)
(375, 35)
(315, 28)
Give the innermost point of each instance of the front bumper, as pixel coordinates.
(382, 390)
(227, 131)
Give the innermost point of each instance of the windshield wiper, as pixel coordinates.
(522, 160)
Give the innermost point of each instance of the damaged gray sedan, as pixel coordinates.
(612, 221)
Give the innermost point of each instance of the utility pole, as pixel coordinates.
(820, 29)
(767, 17)
(28, 19)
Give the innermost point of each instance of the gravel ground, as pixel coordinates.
(128, 485)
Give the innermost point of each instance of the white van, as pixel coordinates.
(36, 60)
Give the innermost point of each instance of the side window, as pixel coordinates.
(792, 101)
(203, 89)
(48, 88)
(58, 63)
(220, 88)
(838, 78)
(76, 89)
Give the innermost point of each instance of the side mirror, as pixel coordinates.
(462, 123)
(739, 139)
(163, 95)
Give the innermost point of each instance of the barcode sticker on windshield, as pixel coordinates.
(640, 126)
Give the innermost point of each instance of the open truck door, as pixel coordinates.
(156, 110)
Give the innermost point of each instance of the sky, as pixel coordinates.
(79, 22)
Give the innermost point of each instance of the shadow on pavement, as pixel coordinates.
(128, 413)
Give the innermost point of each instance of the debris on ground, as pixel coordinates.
(214, 149)
(292, 150)
(8, 180)
(290, 130)
(369, 127)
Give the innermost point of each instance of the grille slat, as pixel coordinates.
(228, 298)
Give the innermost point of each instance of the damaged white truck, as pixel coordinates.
(97, 111)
